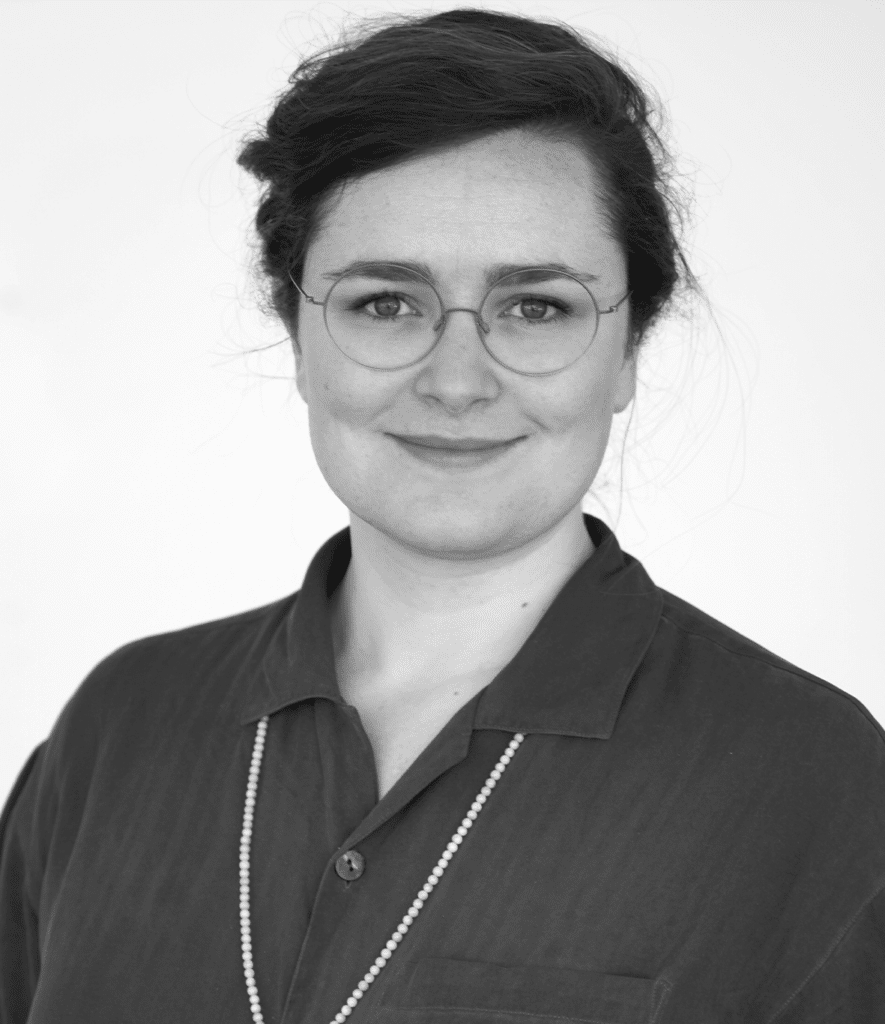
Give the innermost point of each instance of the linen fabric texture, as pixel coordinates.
(692, 831)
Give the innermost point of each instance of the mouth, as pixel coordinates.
(456, 453)
(456, 444)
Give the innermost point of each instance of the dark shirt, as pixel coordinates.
(691, 832)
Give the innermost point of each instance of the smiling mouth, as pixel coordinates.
(456, 458)
(456, 445)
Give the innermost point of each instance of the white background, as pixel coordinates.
(154, 475)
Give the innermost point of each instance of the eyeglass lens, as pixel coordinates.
(533, 328)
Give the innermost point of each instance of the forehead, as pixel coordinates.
(513, 196)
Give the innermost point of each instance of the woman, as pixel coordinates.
(480, 767)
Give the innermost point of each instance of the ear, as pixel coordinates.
(625, 384)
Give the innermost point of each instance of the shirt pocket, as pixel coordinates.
(442, 991)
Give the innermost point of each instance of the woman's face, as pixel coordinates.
(510, 198)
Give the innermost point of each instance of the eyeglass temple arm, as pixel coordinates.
(610, 309)
(309, 298)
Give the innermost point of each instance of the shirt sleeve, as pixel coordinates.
(19, 936)
(849, 986)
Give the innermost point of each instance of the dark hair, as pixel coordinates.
(422, 83)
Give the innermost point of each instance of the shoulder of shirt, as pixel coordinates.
(138, 675)
(218, 636)
(758, 663)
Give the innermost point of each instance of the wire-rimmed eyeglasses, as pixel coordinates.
(386, 316)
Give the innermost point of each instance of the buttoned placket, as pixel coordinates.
(350, 865)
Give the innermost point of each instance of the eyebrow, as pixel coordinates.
(405, 270)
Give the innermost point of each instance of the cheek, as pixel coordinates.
(580, 412)
(341, 403)
(576, 428)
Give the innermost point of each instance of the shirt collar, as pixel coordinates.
(569, 677)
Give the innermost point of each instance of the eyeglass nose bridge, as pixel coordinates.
(439, 326)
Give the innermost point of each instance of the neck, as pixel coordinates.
(402, 614)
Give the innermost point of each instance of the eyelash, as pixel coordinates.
(563, 309)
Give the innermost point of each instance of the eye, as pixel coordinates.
(388, 305)
(531, 309)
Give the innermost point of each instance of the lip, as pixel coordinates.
(457, 458)
(455, 444)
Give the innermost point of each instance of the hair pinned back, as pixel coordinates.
(421, 83)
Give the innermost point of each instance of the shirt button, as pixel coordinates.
(350, 865)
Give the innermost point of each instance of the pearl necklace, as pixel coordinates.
(411, 913)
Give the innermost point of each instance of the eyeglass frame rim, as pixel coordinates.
(461, 309)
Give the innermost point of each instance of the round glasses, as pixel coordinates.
(533, 321)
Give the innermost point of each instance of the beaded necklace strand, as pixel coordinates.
(411, 913)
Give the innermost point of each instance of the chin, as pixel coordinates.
(451, 530)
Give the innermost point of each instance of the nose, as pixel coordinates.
(481, 325)
(459, 369)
